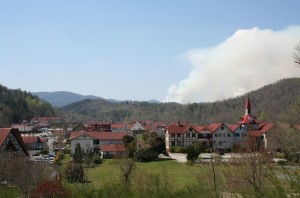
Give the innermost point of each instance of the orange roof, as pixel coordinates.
(113, 148)
(100, 135)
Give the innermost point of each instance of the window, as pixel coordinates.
(96, 141)
(172, 135)
(173, 143)
(199, 136)
(187, 135)
(229, 135)
(178, 143)
(236, 135)
(193, 134)
(216, 135)
(222, 127)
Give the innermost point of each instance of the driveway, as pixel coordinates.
(179, 157)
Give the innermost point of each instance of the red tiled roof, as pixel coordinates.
(263, 128)
(266, 127)
(199, 128)
(248, 119)
(213, 127)
(178, 128)
(113, 148)
(4, 133)
(118, 125)
(233, 127)
(28, 139)
(100, 135)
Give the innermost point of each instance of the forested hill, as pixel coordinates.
(267, 103)
(17, 105)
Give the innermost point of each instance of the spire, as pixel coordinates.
(248, 106)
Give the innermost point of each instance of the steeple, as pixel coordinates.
(248, 106)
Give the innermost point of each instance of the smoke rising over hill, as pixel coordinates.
(247, 60)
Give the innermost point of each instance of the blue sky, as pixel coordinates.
(135, 50)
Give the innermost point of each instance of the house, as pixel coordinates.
(138, 128)
(119, 127)
(11, 142)
(181, 135)
(47, 121)
(34, 142)
(112, 150)
(23, 128)
(222, 136)
(100, 126)
(94, 140)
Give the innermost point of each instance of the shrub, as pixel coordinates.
(50, 189)
(74, 172)
(180, 149)
(97, 160)
(44, 152)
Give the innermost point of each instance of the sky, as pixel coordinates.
(171, 51)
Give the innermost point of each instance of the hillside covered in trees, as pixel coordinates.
(268, 103)
(17, 105)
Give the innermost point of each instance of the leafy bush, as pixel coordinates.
(74, 172)
(44, 152)
(97, 160)
(50, 189)
(180, 149)
(67, 151)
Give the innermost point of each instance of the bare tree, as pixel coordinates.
(20, 171)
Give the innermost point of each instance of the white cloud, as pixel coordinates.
(248, 60)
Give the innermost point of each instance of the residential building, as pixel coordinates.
(11, 142)
(94, 140)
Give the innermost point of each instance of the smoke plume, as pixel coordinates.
(248, 60)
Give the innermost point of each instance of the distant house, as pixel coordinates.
(23, 128)
(34, 142)
(185, 135)
(94, 140)
(11, 142)
(119, 127)
(112, 150)
(100, 126)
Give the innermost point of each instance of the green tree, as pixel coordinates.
(194, 151)
(78, 156)
(130, 145)
(74, 172)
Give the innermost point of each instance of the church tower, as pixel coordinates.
(248, 121)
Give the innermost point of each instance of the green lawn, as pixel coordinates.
(178, 174)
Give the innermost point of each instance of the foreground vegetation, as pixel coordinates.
(250, 176)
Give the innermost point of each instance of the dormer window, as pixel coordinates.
(222, 127)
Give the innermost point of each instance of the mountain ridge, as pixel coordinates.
(63, 98)
(268, 101)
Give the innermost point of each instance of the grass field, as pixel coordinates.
(179, 174)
